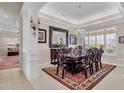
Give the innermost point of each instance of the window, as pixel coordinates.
(110, 41)
(105, 38)
(86, 40)
(92, 41)
(92, 38)
(100, 40)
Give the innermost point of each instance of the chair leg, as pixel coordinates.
(100, 64)
(63, 72)
(96, 67)
(91, 69)
(85, 71)
(57, 69)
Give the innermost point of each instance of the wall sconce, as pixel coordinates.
(34, 25)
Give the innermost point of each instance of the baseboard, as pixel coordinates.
(113, 63)
(44, 65)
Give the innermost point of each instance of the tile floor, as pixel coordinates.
(113, 81)
(15, 80)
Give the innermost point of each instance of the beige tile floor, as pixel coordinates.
(13, 79)
(113, 81)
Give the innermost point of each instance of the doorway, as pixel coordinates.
(9, 39)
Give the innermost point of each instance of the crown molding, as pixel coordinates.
(101, 20)
(104, 24)
(47, 19)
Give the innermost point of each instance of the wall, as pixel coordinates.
(29, 44)
(44, 50)
(118, 59)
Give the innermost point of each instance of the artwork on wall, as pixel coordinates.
(73, 39)
(58, 37)
(41, 35)
(121, 39)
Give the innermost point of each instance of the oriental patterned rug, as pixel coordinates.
(9, 62)
(78, 81)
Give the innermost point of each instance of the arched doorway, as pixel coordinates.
(9, 35)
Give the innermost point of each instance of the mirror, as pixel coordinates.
(58, 37)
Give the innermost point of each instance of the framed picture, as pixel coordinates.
(41, 36)
(73, 39)
(58, 37)
(121, 39)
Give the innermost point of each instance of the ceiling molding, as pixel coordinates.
(46, 16)
(47, 19)
(71, 13)
(101, 20)
(115, 16)
(104, 24)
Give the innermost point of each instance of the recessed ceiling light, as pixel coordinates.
(79, 6)
(5, 15)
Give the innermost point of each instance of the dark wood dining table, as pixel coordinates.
(73, 60)
(76, 57)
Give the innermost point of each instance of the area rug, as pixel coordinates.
(78, 81)
(9, 62)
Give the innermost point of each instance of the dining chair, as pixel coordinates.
(62, 61)
(101, 51)
(65, 67)
(69, 65)
(60, 58)
(95, 59)
(67, 62)
(87, 64)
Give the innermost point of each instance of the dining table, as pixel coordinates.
(74, 60)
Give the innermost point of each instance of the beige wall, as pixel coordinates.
(44, 50)
(118, 59)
